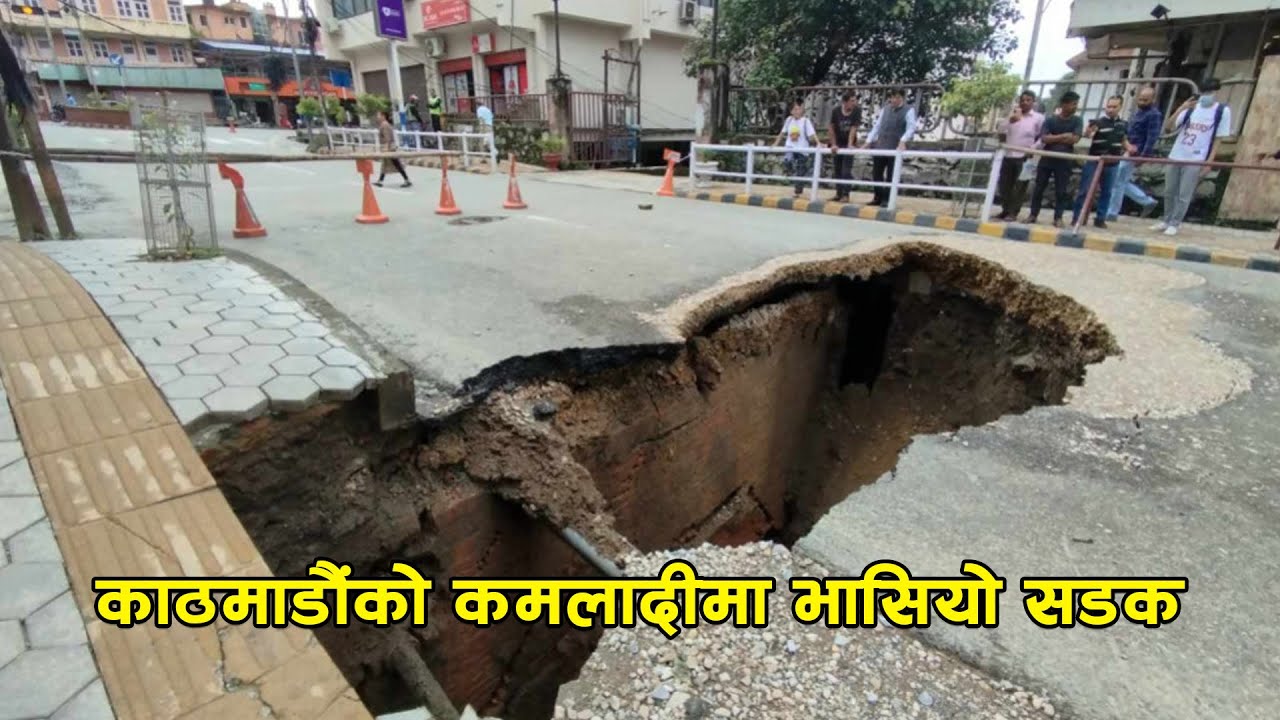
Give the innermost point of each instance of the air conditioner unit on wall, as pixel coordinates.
(688, 11)
(435, 46)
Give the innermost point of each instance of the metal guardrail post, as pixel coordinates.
(751, 166)
(893, 183)
(466, 155)
(989, 199)
(1094, 184)
(440, 142)
(817, 174)
(493, 152)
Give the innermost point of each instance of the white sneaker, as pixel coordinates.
(1171, 230)
(1159, 227)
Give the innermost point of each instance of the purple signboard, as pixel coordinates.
(390, 20)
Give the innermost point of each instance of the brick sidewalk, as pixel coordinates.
(126, 495)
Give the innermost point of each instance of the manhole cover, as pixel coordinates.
(477, 219)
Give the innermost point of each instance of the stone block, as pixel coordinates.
(258, 355)
(306, 346)
(291, 392)
(237, 403)
(16, 478)
(277, 322)
(297, 365)
(57, 623)
(269, 337)
(339, 383)
(207, 364)
(221, 344)
(163, 354)
(191, 387)
(232, 327)
(34, 544)
(17, 513)
(243, 313)
(340, 357)
(182, 336)
(309, 330)
(40, 681)
(26, 586)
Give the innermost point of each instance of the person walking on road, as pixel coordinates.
(1021, 130)
(1110, 139)
(387, 138)
(1060, 133)
(798, 133)
(842, 132)
(435, 106)
(1202, 122)
(1144, 133)
(894, 128)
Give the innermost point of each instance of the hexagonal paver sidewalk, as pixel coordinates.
(223, 343)
(98, 479)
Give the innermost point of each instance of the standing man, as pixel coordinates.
(895, 127)
(435, 106)
(1202, 123)
(1110, 136)
(842, 132)
(1060, 133)
(415, 115)
(1144, 133)
(1021, 130)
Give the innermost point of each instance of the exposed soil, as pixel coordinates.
(785, 398)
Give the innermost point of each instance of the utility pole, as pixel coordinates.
(48, 35)
(312, 32)
(1035, 38)
(555, 4)
(293, 50)
(715, 27)
(86, 48)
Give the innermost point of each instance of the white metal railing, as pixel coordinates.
(469, 145)
(815, 179)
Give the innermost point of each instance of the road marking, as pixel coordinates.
(541, 218)
(217, 141)
(401, 191)
(251, 142)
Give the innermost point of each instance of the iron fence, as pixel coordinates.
(761, 111)
(173, 180)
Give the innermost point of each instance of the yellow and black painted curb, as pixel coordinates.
(1006, 231)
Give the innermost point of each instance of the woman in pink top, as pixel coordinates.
(1022, 129)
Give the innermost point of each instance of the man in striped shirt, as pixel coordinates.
(1110, 139)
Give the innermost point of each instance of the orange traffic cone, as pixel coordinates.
(247, 225)
(447, 205)
(514, 201)
(370, 213)
(668, 188)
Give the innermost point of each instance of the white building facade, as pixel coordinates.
(497, 49)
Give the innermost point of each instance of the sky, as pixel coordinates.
(1053, 49)
(1052, 52)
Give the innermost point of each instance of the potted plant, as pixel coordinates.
(552, 147)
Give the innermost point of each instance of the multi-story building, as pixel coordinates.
(237, 39)
(498, 50)
(1236, 41)
(114, 48)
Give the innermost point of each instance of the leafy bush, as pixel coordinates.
(370, 105)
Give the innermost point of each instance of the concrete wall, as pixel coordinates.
(668, 96)
(1087, 14)
(1256, 195)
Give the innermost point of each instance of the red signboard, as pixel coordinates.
(443, 13)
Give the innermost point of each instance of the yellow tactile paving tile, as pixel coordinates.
(127, 495)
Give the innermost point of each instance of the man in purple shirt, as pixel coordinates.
(1144, 132)
(1022, 129)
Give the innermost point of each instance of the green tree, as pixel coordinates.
(370, 105)
(989, 87)
(828, 42)
(1064, 85)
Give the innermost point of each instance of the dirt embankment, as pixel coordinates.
(787, 396)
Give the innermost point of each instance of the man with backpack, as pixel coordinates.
(1202, 122)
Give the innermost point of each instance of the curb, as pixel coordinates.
(1005, 231)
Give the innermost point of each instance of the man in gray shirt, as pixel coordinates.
(895, 127)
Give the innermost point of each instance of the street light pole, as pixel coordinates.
(48, 34)
(1035, 38)
(293, 50)
(715, 27)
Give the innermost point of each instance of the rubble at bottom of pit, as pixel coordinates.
(785, 671)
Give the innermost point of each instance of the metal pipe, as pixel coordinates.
(589, 552)
(1035, 38)
(413, 670)
(555, 4)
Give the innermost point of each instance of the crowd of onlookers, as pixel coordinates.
(1198, 126)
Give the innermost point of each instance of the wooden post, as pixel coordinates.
(48, 176)
(26, 204)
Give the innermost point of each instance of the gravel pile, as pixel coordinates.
(785, 671)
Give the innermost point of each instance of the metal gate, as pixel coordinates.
(173, 180)
(605, 128)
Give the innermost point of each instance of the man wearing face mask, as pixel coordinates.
(1202, 123)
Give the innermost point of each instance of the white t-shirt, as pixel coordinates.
(1193, 141)
(798, 132)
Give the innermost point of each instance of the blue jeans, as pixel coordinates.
(1103, 198)
(1125, 187)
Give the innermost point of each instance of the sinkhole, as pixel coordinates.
(788, 395)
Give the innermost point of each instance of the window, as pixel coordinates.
(179, 53)
(244, 23)
(204, 20)
(129, 48)
(74, 48)
(175, 11)
(43, 49)
(133, 8)
(228, 20)
(151, 51)
(351, 8)
(99, 48)
(88, 6)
